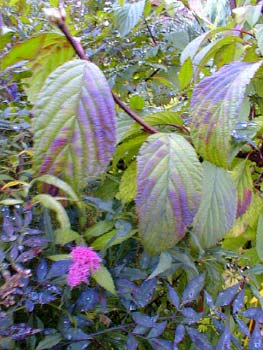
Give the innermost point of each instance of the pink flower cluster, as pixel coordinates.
(84, 261)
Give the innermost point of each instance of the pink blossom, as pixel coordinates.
(84, 261)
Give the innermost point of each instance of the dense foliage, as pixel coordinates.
(134, 128)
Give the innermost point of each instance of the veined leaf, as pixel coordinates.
(51, 203)
(74, 124)
(169, 188)
(128, 15)
(244, 185)
(259, 36)
(45, 52)
(127, 190)
(217, 211)
(215, 106)
(104, 279)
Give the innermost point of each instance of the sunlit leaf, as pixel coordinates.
(226, 296)
(215, 106)
(259, 36)
(128, 15)
(259, 237)
(128, 187)
(74, 124)
(217, 211)
(169, 185)
(164, 264)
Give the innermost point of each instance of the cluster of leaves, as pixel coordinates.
(176, 215)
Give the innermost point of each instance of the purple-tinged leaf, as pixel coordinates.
(46, 297)
(254, 313)
(255, 342)
(144, 320)
(179, 334)
(199, 339)
(224, 342)
(242, 326)
(74, 124)
(161, 344)
(59, 268)
(193, 289)
(140, 330)
(238, 303)
(173, 296)
(226, 296)
(35, 242)
(87, 300)
(244, 185)
(132, 343)
(219, 325)
(169, 188)
(191, 316)
(217, 212)
(73, 334)
(21, 331)
(215, 107)
(28, 255)
(42, 269)
(209, 299)
(157, 330)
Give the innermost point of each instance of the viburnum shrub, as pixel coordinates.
(131, 175)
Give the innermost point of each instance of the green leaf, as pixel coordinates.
(51, 203)
(59, 257)
(53, 180)
(185, 74)
(111, 238)
(259, 36)
(259, 237)
(169, 189)
(64, 236)
(74, 124)
(128, 15)
(137, 102)
(104, 279)
(98, 229)
(217, 211)
(45, 53)
(128, 186)
(164, 264)
(215, 107)
(49, 341)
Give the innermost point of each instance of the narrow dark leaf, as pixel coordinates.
(59, 268)
(193, 289)
(239, 301)
(242, 326)
(46, 297)
(224, 342)
(144, 294)
(29, 255)
(35, 242)
(157, 330)
(81, 345)
(255, 342)
(144, 320)
(179, 334)
(161, 344)
(209, 299)
(226, 296)
(87, 300)
(255, 313)
(75, 334)
(173, 296)
(199, 339)
(132, 343)
(42, 269)
(21, 331)
(191, 316)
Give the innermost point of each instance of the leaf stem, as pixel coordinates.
(80, 52)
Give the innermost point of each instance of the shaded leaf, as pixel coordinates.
(199, 339)
(226, 296)
(255, 342)
(104, 279)
(42, 269)
(191, 316)
(132, 343)
(173, 296)
(169, 184)
(259, 237)
(193, 289)
(217, 211)
(87, 300)
(128, 15)
(157, 330)
(243, 327)
(164, 264)
(49, 341)
(144, 294)
(59, 268)
(254, 313)
(144, 320)
(179, 334)
(74, 124)
(239, 301)
(215, 106)
(224, 342)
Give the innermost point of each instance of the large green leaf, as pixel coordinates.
(74, 124)
(127, 190)
(45, 52)
(169, 188)
(259, 37)
(215, 107)
(259, 237)
(217, 211)
(128, 15)
(104, 279)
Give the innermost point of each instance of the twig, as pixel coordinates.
(80, 52)
(150, 32)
